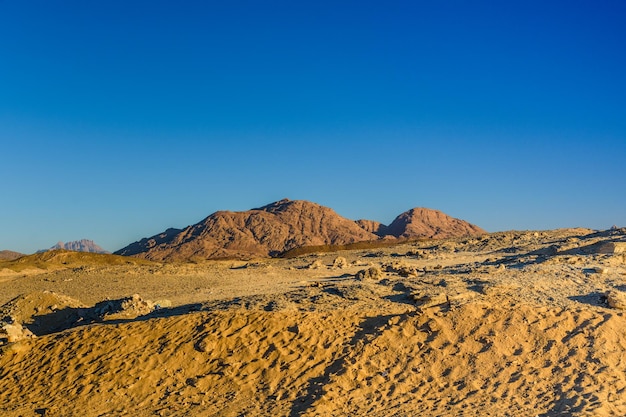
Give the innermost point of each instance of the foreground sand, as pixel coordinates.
(513, 324)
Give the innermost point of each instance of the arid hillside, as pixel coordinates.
(285, 225)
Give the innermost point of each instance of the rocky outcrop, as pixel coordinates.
(426, 223)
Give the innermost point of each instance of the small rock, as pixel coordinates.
(340, 263)
(401, 269)
(316, 264)
(600, 270)
(162, 304)
(616, 299)
(429, 300)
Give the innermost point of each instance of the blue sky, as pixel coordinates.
(119, 119)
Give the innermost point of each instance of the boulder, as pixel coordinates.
(616, 299)
(340, 262)
(14, 332)
(373, 273)
(612, 247)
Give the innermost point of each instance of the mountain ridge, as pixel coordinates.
(283, 225)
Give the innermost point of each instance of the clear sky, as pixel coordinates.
(119, 119)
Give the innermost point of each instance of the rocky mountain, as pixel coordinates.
(259, 232)
(284, 225)
(82, 245)
(422, 222)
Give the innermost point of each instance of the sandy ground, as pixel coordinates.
(510, 324)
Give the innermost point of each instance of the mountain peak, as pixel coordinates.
(429, 223)
(260, 232)
(83, 245)
(282, 205)
(284, 225)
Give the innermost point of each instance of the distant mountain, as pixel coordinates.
(9, 255)
(284, 225)
(82, 245)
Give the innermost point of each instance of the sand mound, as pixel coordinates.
(41, 312)
(478, 357)
(44, 312)
(474, 360)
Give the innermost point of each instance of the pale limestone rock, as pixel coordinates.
(340, 263)
(15, 332)
(616, 299)
(373, 273)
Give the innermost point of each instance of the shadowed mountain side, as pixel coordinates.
(372, 226)
(148, 243)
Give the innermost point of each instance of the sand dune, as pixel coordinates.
(511, 324)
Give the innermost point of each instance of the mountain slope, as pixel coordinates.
(259, 232)
(285, 225)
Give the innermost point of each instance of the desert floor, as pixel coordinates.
(508, 324)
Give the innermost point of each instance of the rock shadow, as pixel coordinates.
(595, 298)
(70, 317)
